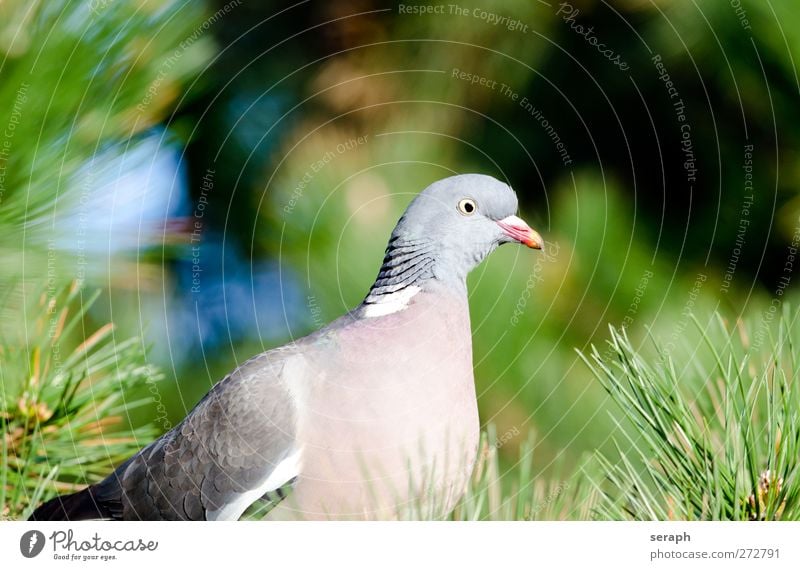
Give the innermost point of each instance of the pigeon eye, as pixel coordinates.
(467, 206)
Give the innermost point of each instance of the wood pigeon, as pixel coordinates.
(372, 417)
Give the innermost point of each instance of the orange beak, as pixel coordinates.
(518, 230)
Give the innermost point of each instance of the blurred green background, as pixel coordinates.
(228, 174)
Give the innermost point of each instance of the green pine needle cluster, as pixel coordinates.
(64, 404)
(82, 83)
(715, 437)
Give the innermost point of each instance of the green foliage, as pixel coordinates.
(75, 79)
(63, 403)
(514, 493)
(78, 79)
(715, 435)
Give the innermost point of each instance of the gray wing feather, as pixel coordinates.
(227, 445)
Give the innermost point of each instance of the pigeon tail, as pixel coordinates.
(78, 506)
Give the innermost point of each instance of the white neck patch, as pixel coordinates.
(391, 303)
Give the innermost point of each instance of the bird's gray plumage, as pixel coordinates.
(350, 414)
(228, 444)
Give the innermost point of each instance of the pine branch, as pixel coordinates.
(701, 444)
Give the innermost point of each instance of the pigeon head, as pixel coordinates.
(448, 229)
(465, 218)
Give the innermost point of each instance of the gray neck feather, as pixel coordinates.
(407, 263)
